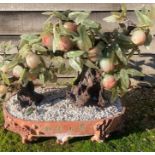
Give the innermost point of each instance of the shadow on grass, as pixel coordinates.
(140, 112)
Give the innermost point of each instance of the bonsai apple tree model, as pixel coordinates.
(100, 58)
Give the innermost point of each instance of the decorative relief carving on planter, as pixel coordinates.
(63, 130)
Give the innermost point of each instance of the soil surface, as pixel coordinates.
(56, 106)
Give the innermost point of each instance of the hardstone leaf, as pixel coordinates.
(84, 38)
(5, 78)
(38, 48)
(33, 41)
(48, 27)
(24, 51)
(23, 75)
(75, 65)
(57, 14)
(14, 62)
(89, 64)
(78, 17)
(124, 41)
(124, 77)
(111, 19)
(143, 19)
(46, 60)
(73, 54)
(114, 94)
(28, 37)
(148, 41)
(56, 39)
(133, 72)
(57, 61)
(88, 23)
(42, 78)
(121, 55)
(22, 43)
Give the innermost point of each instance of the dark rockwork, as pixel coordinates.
(27, 96)
(87, 89)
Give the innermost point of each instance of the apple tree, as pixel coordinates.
(101, 59)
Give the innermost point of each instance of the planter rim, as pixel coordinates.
(65, 121)
(38, 121)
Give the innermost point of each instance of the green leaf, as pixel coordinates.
(60, 15)
(56, 39)
(111, 19)
(22, 43)
(88, 23)
(84, 38)
(28, 37)
(121, 55)
(5, 78)
(42, 78)
(125, 41)
(148, 41)
(143, 19)
(89, 64)
(14, 62)
(73, 54)
(23, 75)
(124, 79)
(134, 72)
(75, 65)
(78, 17)
(24, 51)
(114, 94)
(39, 48)
(57, 61)
(37, 40)
(46, 60)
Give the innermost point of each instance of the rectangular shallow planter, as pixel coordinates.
(62, 130)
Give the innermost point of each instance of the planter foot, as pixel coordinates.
(100, 130)
(6, 126)
(24, 140)
(62, 140)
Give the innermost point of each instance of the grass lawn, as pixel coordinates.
(138, 134)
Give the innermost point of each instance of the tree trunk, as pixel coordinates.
(87, 89)
(27, 96)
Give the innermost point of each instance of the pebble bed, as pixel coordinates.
(55, 107)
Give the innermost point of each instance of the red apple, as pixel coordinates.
(32, 60)
(138, 37)
(108, 82)
(106, 65)
(47, 40)
(65, 44)
(70, 26)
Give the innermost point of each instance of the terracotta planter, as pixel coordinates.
(62, 130)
